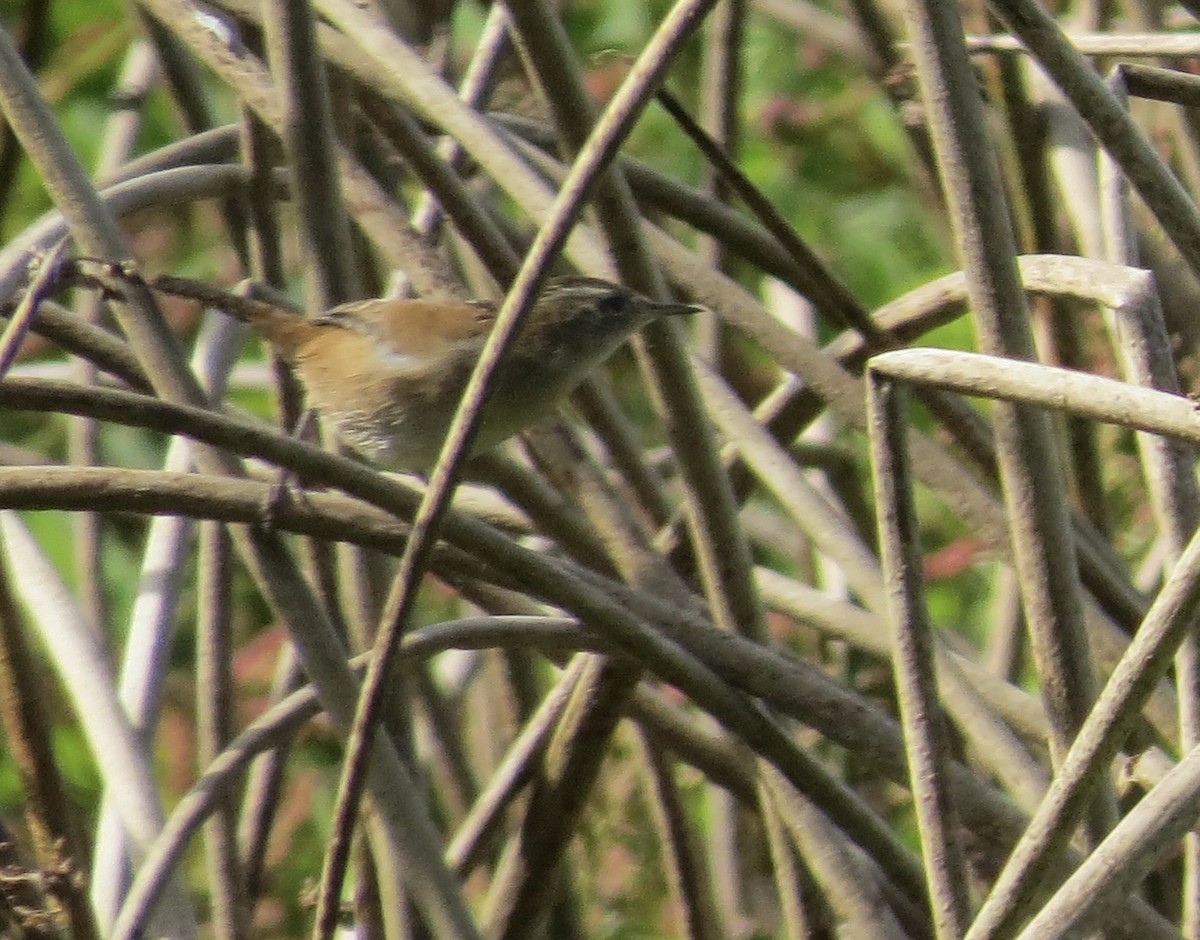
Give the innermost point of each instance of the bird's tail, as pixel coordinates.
(282, 326)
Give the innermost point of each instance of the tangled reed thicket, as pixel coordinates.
(856, 610)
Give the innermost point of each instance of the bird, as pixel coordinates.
(388, 374)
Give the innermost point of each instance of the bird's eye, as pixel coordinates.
(610, 303)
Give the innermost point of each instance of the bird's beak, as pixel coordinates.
(671, 309)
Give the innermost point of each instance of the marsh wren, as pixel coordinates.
(389, 374)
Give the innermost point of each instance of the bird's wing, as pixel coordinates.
(422, 329)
